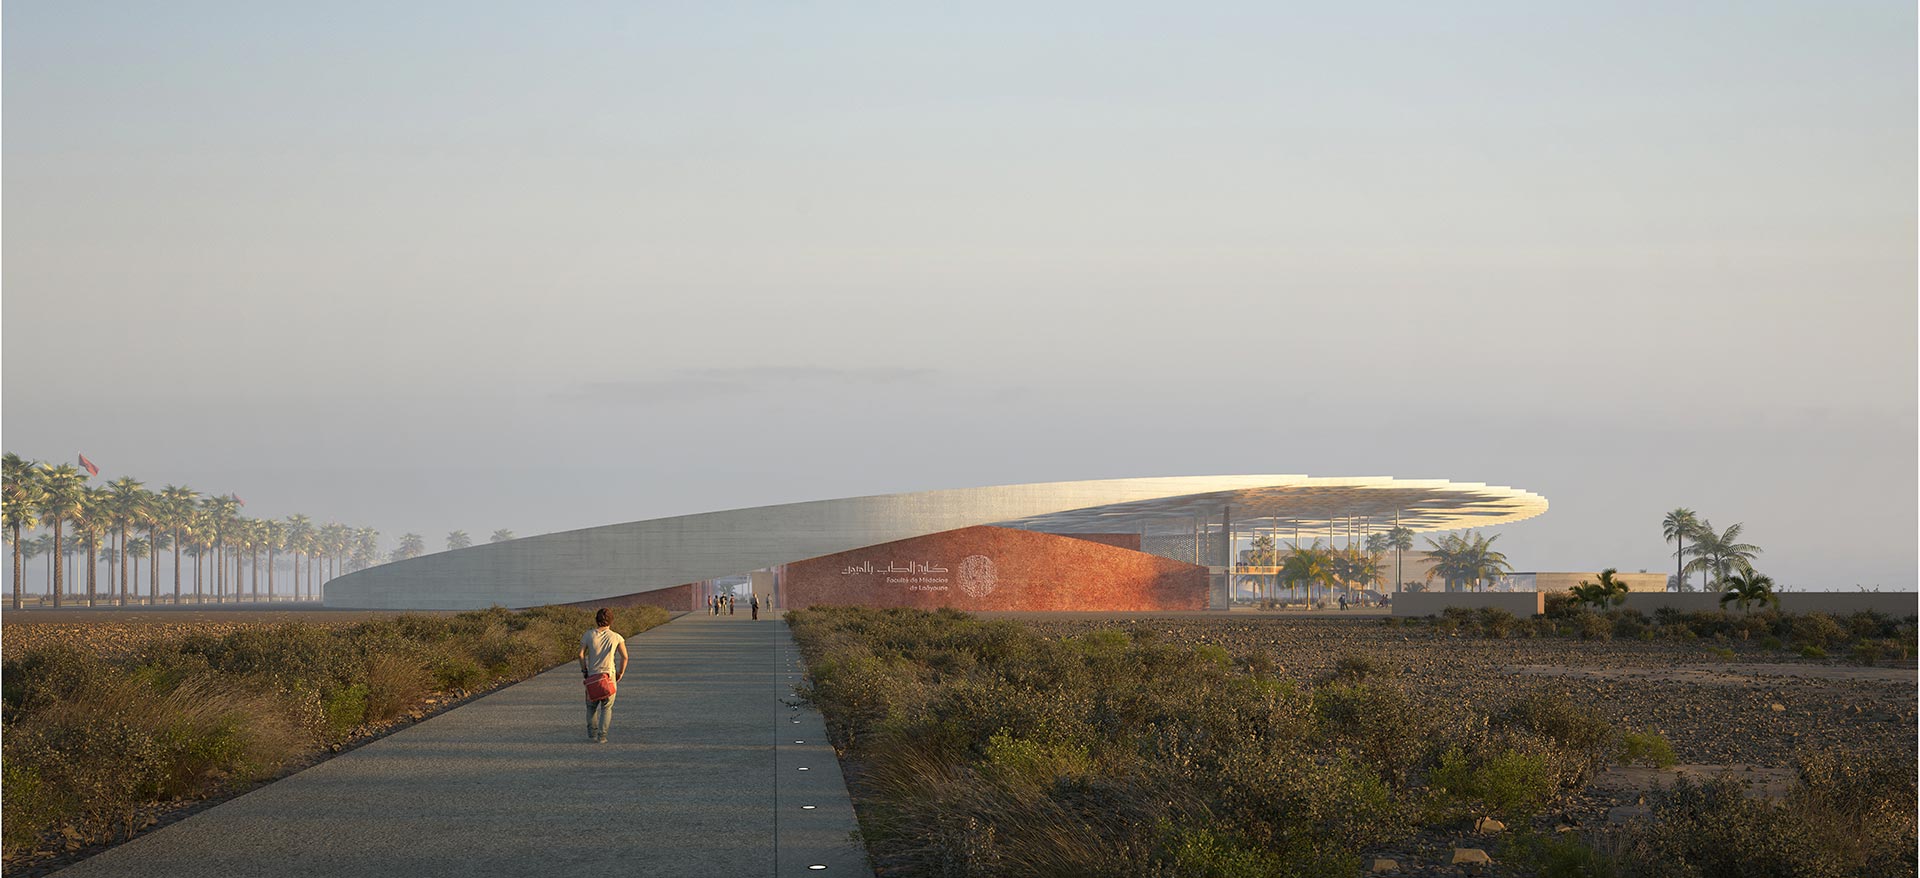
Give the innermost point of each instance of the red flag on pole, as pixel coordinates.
(88, 464)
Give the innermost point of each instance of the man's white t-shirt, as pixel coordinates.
(601, 645)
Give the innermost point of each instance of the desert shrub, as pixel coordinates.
(1747, 626)
(1215, 655)
(1500, 780)
(1628, 624)
(1812, 652)
(1376, 724)
(1202, 853)
(1869, 624)
(395, 682)
(1555, 855)
(87, 763)
(1559, 605)
(49, 676)
(458, 671)
(1722, 653)
(1817, 629)
(1355, 666)
(1845, 816)
(1771, 642)
(1579, 741)
(1021, 761)
(1867, 652)
(1496, 622)
(1593, 626)
(344, 708)
(1646, 748)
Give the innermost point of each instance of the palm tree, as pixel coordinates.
(200, 530)
(299, 531)
(240, 538)
(1310, 565)
(366, 548)
(338, 538)
(1399, 539)
(1466, 559)
(124, 509)
(34, 547)
(1720, 553)
(70, 549)
(136, 551)
(273, 536)
(20, 506)
(153, 519)
(1677, 527)
(91, 524)
(458, 540)
(63, 484)
(1608, 590)
(1746, 588)
(1353, 566)
(411, 545)
(176, 504)
(219, 514)
(158, 541)
(500, 536)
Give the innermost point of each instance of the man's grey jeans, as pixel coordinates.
(600, 718)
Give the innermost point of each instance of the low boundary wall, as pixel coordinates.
(1430, 603)
(1522, 603)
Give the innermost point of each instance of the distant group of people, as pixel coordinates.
(724, 605)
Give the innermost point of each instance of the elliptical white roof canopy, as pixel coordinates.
(1419, 505)
(640, 556)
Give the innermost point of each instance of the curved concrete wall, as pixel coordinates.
(640, 556)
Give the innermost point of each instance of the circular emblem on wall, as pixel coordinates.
(977, 578)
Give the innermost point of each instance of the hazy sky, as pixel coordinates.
(542, 266)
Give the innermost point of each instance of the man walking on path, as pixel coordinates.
(597, 648)
(754, 605)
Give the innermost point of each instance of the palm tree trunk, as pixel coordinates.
(18, 566)
(53, 561)
(120, 565)
(153, 567)
(93, 570)
(176, 567)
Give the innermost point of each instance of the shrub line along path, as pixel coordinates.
(708, 770)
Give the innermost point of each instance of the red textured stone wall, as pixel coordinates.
(678, 599)
(1021, 570)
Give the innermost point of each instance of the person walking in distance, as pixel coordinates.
(753, 604)
(730, 605)
(597, 649)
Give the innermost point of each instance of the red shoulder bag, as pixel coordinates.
(600, 687)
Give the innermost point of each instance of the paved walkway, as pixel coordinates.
(710, 770)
